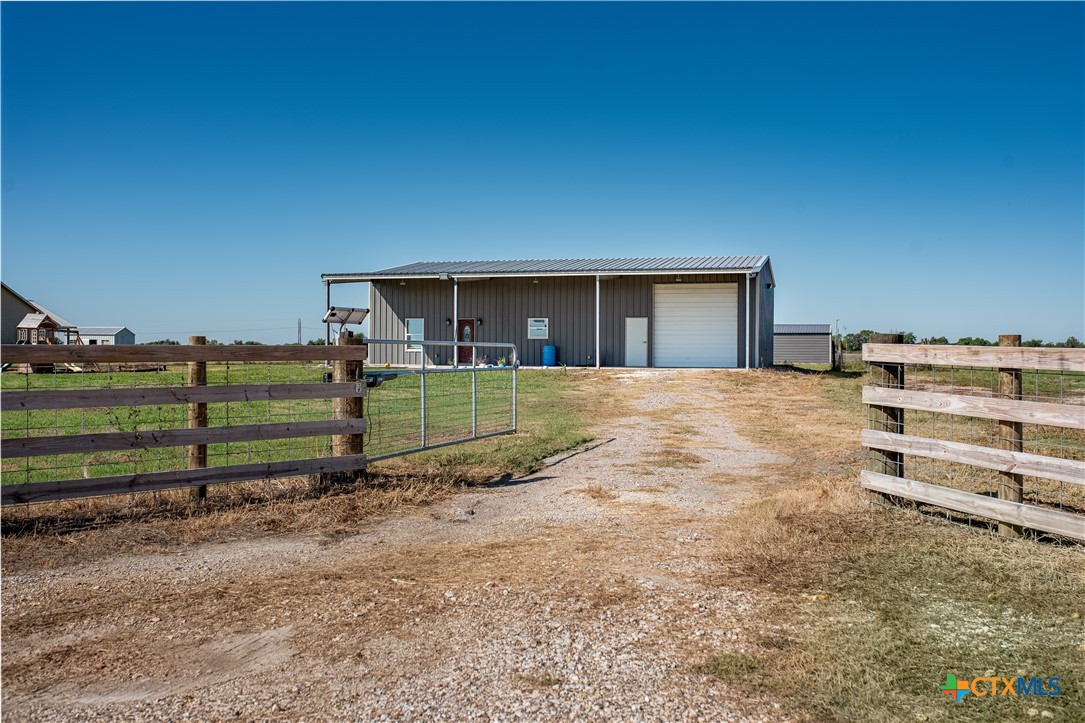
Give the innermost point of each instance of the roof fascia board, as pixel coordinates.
(352, 279)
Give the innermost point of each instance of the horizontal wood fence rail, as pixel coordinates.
(347, 425)
(1016, 513)
(154, 396)
(150, 481)
(1035, 465)
(1006, 501)
(151, 438)
(1010, 410)
(169, 353)
(997, 357)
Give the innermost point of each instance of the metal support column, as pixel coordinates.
(597, 362)
(747, 321)
(455, 321)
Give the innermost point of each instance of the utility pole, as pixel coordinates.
(299, 331)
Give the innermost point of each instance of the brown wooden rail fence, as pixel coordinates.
(346, 427)
(1015, 401)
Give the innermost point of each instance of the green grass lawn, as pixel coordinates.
(393, 412)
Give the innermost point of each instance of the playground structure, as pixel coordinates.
(40, 328)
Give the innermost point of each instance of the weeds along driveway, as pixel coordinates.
(584, 591)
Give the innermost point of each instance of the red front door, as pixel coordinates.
(465, 331)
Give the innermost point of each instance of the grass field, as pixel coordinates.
(393, 412)
(554, 417)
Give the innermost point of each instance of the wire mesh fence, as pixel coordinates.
(97, 428)
(956, 389)
(411, 409)
(144, 421)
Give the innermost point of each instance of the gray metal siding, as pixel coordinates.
(801, 348)
(767, 311)
(505, 304)
(12, 311)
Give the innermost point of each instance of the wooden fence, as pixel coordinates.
(892, 393)
(346, 390)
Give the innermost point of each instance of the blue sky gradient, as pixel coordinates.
(193, 168)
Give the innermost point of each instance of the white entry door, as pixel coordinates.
(636, 341)
(695, 325)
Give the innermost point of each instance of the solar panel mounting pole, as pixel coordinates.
(327, 305)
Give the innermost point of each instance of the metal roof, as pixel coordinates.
(33, 321)
(101, 330)
(802, 328)
(60, 320)
(562, 267)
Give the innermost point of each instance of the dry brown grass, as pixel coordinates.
(673, 458)
(597, 492)
(73, 531)
(863, 586)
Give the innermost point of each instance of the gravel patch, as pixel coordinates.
(585, 591)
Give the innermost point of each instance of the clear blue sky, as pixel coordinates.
(194, 168)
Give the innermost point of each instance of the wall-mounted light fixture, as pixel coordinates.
(677, 278)
(479, 320)
(534, 281)
(402, 283)
(448, 322)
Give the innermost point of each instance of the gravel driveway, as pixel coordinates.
(586, 591)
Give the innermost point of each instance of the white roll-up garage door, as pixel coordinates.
(695, 325)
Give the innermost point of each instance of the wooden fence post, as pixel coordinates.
(887, 419)
(197, 415)
(1010, 436)
(348, 407)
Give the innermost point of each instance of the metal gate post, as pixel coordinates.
(474, 392)
(515, 364)
(423, 385)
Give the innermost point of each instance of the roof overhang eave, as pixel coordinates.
(358, 278)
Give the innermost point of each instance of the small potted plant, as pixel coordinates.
(502, 361)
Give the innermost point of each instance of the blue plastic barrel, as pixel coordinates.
(550, 356)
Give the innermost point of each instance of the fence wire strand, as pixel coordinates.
(1053, 387)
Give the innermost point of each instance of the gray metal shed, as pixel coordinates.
(711, 311)
(802, 344)
(106, 335)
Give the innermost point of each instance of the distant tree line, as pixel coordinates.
(854, 342)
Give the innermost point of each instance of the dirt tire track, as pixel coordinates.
(584, 591)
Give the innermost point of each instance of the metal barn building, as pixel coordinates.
(106, 335)
(803, 344)
(713, 311)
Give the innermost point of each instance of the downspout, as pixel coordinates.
(597, 363)
(747, 321)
